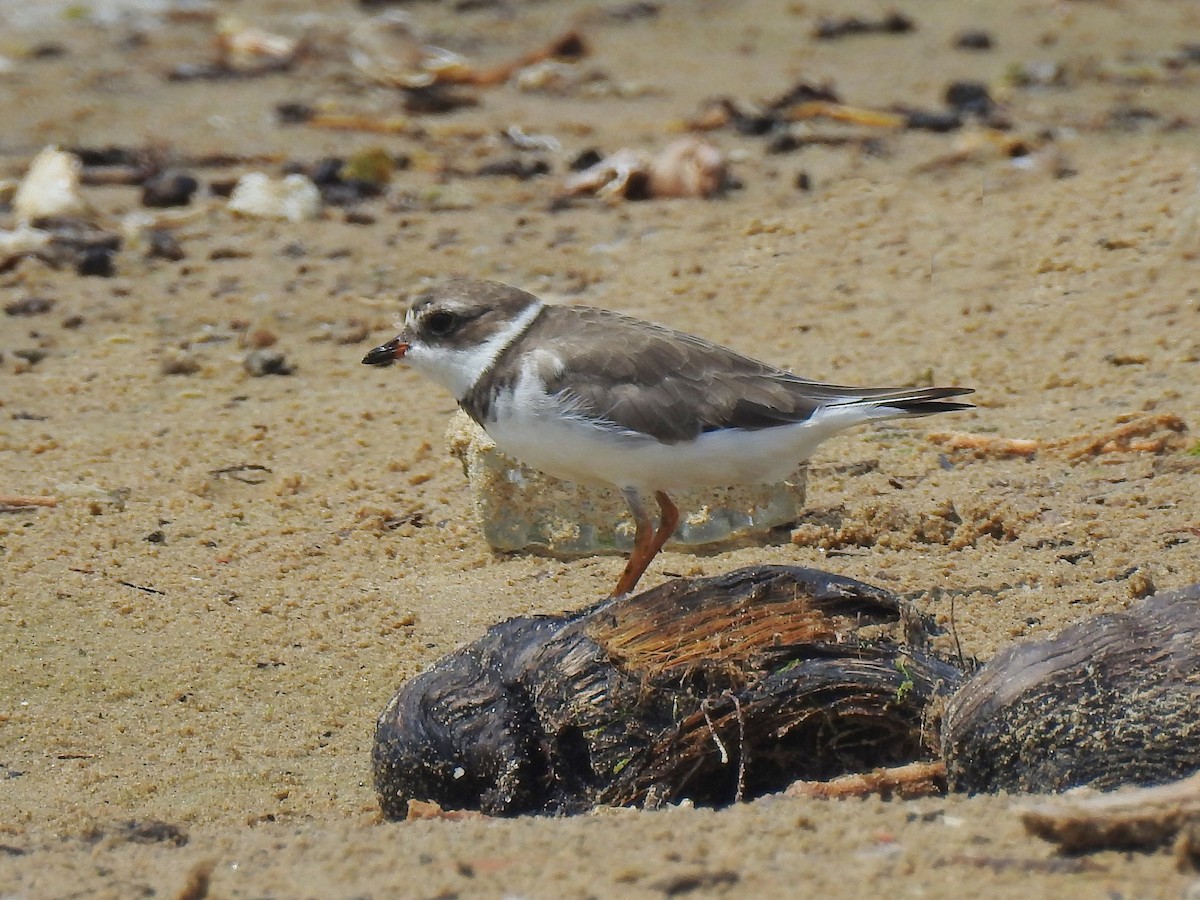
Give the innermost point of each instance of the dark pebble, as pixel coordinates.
(96, 261)
(336, 190)
(108, 156)
(156, 537)
(973, 39)
(325, 171)
(804, 92)
(803, 181)
(30, 306)
(970, 98)
(169, 188)
(938, 122)
(294, 113)
(586, 159)
(47, 50)
(222, 188)
(164, 245)
(515, 167)
(632, 12)
(436, 99)
(477, 5)
(755, 125)
(892, 23)
(32, 355)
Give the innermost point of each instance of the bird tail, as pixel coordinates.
(909, 401)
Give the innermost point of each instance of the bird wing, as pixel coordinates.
(674, 386)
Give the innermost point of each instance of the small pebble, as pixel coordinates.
(29, 306)
(32, 355)
(164, 245)
(97, 261)
(169, 188)
(266, 362)
(973, 39)
(178, 362)
(261, 338)
(970, 97)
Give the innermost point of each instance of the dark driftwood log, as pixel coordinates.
(711, 690)
(1113, 700)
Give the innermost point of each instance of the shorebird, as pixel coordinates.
(594, 396)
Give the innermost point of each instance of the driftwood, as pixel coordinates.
(1128, 819)
(710, 690)
(719, 689)
(1113, 700)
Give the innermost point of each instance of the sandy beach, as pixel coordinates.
(238, 571)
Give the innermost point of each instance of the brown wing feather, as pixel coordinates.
(675, 386)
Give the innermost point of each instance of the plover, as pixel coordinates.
(594, 396)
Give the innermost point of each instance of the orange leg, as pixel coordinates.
(647, 541)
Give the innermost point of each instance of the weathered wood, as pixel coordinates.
(907, 782)
(1113, 700)
(1127, 819)
(709, 689)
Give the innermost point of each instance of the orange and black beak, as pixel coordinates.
(386, 354)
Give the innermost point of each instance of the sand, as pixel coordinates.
(187, 642)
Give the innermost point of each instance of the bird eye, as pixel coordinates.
(440, 323)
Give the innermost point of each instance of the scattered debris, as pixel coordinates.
(247, 473)
(1133, 434)
(343, 182)
(246, 50)
(419, 810)
(892, 23)
(295, 113)
(907, 782)
(388, 51)
(241, 50)
(514, 167)
(24, 501)
(293, 197)
(688, 167)
(21, 242)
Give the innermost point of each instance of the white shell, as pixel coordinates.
(50, 187)
(294, 198)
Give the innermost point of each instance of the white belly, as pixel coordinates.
(533, 430)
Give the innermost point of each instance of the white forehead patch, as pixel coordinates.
(457, 370)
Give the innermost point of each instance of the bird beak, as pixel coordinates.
(386, 354)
